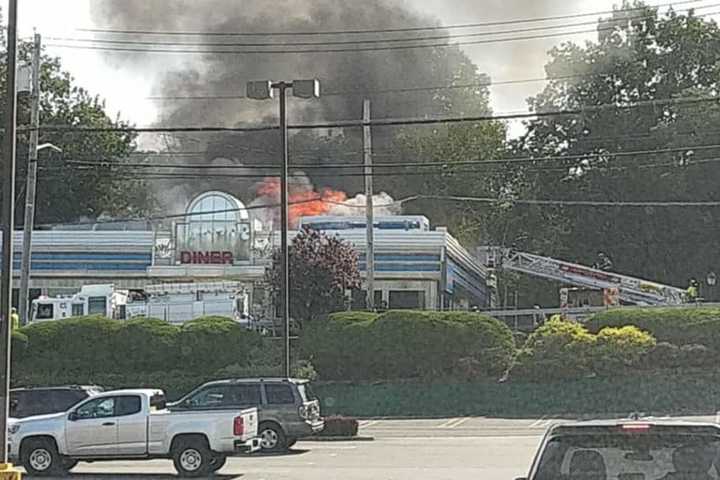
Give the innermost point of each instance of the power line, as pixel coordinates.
(375, 31)
(565, 203)
(385, 90)
(313, 166)
(579, 170)
(486, 200)
(343, 50)
(384, 121)
(103, 41)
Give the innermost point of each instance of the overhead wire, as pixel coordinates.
(266, 51)
(383, 121)
(295, 43)
(314, 166)
(383, 30)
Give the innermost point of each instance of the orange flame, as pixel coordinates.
(304, 200)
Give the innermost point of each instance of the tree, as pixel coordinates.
(322, 268)
(644, 65)
(66, 191)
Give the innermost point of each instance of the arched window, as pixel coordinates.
(214, 221)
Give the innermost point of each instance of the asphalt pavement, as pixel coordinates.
(432, 449)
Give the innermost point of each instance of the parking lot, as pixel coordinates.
(433, 449)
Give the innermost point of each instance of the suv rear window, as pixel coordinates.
(278, 394)
(641, 455)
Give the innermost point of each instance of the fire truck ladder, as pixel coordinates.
(630, 289)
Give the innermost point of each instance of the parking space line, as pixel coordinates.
(368, 423)
(459, 422)
(539, 422)
(717, 417)
(449, 423)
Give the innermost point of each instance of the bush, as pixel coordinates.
(663, 355)
(557, 350)
(679, 326)
(617, 349)
(696, 356)
(406, 344)
(82, 344)
(210, 343)
(338, 426)
(147, 345)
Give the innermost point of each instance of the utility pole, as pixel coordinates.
(284, 207)
(8, 207)
(369, 216)
(29, 224)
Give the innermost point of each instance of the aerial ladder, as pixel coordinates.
(629, 289)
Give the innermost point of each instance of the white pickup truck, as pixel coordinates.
(132, 425)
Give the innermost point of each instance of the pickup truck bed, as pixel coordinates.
(132, 424)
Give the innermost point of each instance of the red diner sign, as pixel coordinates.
(206, 258)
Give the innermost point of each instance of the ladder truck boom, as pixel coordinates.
(631, 289)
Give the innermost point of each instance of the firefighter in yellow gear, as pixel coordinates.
(692, 291)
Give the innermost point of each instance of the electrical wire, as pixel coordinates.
(547, 158)
(344, 50)
(385, 90)
(382, 121)
(486, 200)
(384, 30)
(103, 41)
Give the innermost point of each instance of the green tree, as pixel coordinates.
(66, 191)
(322, 268)
(644, 65)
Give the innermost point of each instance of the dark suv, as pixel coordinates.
(287, 408)
(27, 402)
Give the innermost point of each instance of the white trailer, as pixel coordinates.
(90, 300)
(173, 302)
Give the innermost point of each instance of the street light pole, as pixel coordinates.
(8, 220)
(263, 90)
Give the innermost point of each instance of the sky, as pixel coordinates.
(126, 91)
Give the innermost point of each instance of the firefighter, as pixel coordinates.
(14, 319)
(692, 291)
(603, 262)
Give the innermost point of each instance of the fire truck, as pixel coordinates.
(173, 302)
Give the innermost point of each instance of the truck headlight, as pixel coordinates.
(14, 428)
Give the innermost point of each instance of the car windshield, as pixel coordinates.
(631, 457)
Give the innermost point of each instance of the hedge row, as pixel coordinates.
(94, 345)
(408, 344)
(678, 326)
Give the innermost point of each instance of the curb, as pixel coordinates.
(339, 439)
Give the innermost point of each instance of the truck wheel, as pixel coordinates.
(192, 458)
(217, 462)
(272, 438)
(41, 458)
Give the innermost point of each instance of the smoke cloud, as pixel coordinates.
(210, 75)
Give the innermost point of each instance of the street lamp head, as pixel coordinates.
(306, 88)
(259, 90)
